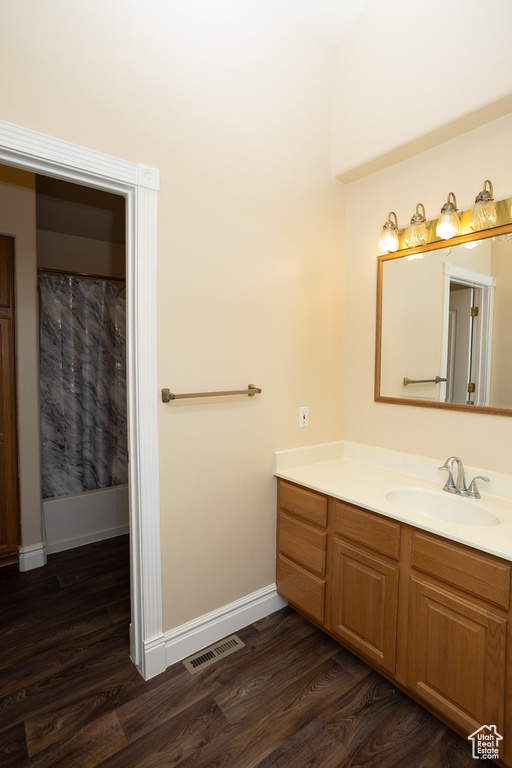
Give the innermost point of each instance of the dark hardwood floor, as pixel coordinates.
(292, 698)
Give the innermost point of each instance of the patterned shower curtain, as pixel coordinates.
(83, 385)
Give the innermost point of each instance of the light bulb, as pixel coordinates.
(417, 233)
(483, 214)
(389, 240)
(448, 224)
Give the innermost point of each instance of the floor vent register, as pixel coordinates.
(213, 653)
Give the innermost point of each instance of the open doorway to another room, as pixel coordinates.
(24, 153)
(65, 475)
(82, 295)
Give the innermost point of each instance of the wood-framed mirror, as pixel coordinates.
(444, 322)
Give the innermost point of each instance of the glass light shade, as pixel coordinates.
(483, 215)
(389, 239)
(448, 224)
(417, 234)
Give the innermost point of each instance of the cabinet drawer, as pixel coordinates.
(301, 588)
(368, 529)
(476, 574)
(307, 504)
(302, 543)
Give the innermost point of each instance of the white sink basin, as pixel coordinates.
(440, 505)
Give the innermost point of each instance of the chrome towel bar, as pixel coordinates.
(167, 395)
(437, 380)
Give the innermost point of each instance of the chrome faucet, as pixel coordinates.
(459, 486)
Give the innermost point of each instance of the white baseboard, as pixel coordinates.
(199, 633)
(32, 557)
(82, 518)
(88, 538)
(153, 658)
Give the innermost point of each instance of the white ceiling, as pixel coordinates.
(329, 19)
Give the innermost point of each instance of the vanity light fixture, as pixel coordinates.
(388, 240)
(448, 224)
(483, 214)
(417, 233)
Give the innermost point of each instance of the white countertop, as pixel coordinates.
(362, 475)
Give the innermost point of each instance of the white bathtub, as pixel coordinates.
(81, 518)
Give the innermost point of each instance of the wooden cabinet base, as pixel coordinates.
(430, 615)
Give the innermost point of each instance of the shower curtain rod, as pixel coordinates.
(65, 272)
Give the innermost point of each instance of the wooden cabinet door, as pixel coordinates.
(365, 603)
(8, 450)
(456, 656)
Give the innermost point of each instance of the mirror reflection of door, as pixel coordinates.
(463, 344)
(421, 331)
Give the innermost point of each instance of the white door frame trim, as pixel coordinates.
(487, 283)
(139, 184)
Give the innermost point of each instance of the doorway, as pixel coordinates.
(467, 335)
(81, 266)
(138, 184)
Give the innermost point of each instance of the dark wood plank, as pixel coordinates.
(13, 747)
(175, 742)
(61, 723)
(62, 683)
(355, 716)
(452, 751)
(120, 610)
(314, 746)
(21, 645)
(274, 719)
(401, 741)
(49, 667)
(357, 668)
(249, 691)
(87, 748)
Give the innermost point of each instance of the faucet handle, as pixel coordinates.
(473, 490)
(450, 483)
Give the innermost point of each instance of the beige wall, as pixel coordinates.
(234, 106)
(18, 218)
(79, 229)
(410, 74)
(459, 165)
(56, 250)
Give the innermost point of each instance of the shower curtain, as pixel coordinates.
(83, 385)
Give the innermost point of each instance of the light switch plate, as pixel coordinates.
(303, 416)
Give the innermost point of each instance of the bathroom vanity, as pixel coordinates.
(430, 613)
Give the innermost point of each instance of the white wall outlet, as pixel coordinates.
(303, 416)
